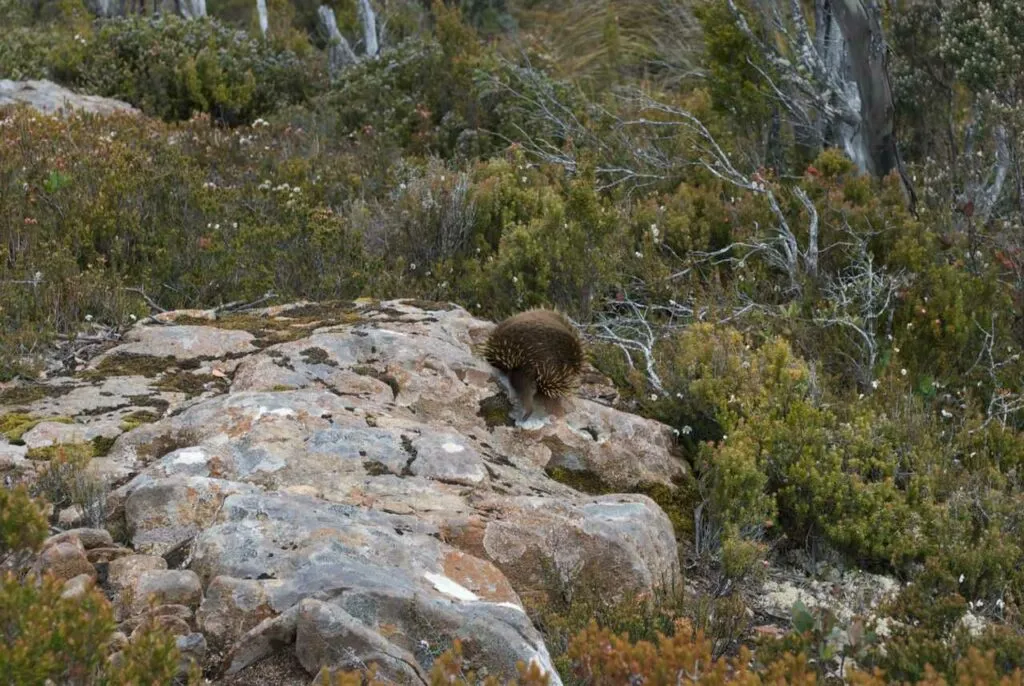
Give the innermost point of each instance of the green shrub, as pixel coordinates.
(23, 524)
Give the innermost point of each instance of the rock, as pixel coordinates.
(76, 587)
(166, 586)
(70, 517)
(327, 636)
(45, 434)
(618, 544)
(354, 492)
(124, 572)
(65, 559)
(450, 459)
(50, 98)
(180, 342)
(192, 648)
(179, 612)
(231, 607)
(175, 626)
(107, 555)
(89, 538)
(161, 514)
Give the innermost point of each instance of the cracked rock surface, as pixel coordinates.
(318, 485)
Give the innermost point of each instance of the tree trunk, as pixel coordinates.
(873, 142)
(261, 11)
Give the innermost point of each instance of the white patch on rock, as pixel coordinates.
(449, 587)
(283, 412)
(389, 331)
(194, 455)
(510, 605)
(452, 447)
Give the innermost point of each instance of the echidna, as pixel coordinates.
(540, 352)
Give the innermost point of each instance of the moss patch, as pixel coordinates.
(582, 480)
(23, 395)
(101, 445)
(676, 501)
(190, 384)
(495, 411)
(138, 418)
(314, 355)
(71, 452)
(290, 325)
(435, 305)
(15, 425)
(127, 364)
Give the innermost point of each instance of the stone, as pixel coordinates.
(50, 98)
(70, 517)
(77, 586)
(89, 538)
(353, 492)
(175, 626)
(107, 555)
(192, 649)
(166, 586)
(231, 607)
(179, 612)
(45, 434)
(327, 636)
(64, 559)
(124, 572)
(181, 342)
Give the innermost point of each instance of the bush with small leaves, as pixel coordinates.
(22, 520)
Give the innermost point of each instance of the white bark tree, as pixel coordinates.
(261, 12)
(830, 75)
(340, 54)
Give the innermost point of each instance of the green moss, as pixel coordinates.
(281, 388)
(434, 305)
(290, 325)
(101, 445)
(23, 395)
(72, 452)
(495, 411)
(15, 425)
(677, 502)
(138, 418)
(188, 383)
(582, 480)
(127, 364)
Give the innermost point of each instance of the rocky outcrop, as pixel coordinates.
(342, 483)
(50, 98)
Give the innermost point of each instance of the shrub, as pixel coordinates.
(22, 521)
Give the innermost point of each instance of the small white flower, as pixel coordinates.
(687, 430)
(903, 372)
(515, 279)
(523, 179)
(88, 317)
(638, 254)
(946, 413)
(961, 578)
(874, 384)
(412, 266)
(132, 317)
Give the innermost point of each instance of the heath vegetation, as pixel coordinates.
(834, 332)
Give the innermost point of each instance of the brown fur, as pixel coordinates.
(540, 352)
